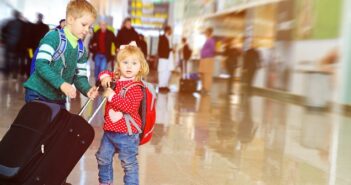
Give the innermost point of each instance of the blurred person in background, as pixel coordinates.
(164, 62)
(206, 65)
(100, 46)
(23, 39)
(39, 30)
(24, 44)
(143, 45)
(126, 35)
(88, 39)
(252, 61)
(62, 24)
(11, 34)
(33, 33)
(231, 54)
(184, 55)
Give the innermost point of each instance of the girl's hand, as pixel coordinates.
(108, 92)
(106, 82)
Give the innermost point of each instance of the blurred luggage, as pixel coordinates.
(187, 86)
(189, 81)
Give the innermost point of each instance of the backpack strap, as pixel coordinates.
(62, 45)
(80, 49)
(124, 90)
(61, 49)
(58, 52)
(130, 121)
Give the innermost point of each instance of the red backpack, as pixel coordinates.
(147, 111)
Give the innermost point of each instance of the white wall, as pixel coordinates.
(312, 51)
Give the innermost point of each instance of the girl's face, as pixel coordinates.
(129, 67)
(79, 27)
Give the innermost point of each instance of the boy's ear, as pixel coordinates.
(69, 20)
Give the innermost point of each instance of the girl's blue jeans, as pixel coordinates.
(127, 148)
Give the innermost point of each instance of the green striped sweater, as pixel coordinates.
(50, 75)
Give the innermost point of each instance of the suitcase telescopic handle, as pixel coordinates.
(99, 86)
(82, 110)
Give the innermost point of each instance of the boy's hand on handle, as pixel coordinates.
(108, 92)
(93, 93)
(68, 89)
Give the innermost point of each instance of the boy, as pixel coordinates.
(52, 80)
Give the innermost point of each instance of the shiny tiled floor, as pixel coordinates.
(221, 139)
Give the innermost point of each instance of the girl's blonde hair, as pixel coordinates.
(77, 8)
(128, 51)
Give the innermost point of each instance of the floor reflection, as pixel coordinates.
(221, 138)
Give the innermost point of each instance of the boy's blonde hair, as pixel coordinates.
(128, 51)
(77, 8)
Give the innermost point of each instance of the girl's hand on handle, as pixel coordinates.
(68, 90)
(93, 93)
(106, 82)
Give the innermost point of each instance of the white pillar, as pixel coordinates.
(345, 53)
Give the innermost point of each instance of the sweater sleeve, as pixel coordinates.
(81, 79)
(44, 57)
(130, 103)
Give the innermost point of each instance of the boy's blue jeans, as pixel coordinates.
(127, 148)
(31, 95)
(100, 64)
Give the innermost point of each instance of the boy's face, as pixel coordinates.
(79, 27)
(129, 67)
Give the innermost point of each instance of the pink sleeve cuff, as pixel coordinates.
(103, 76)
(104, 73)
(109, 99)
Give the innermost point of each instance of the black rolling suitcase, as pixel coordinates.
(188, 82)
(43, 145)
